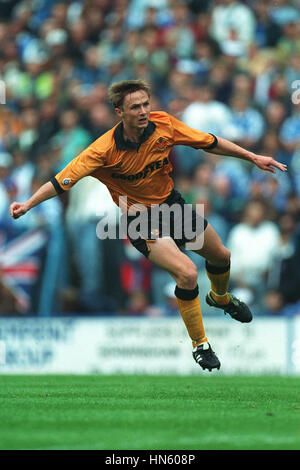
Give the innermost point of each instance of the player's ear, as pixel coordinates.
(119, 112)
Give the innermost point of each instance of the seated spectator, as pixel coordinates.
(267, 31)
(137, 12)
(138, 305)
(216, 220)
(284, 271)
(233, 20)
(246, 125)
(11, 127)
(48, 215)
(275, 115)
(202, 176)
(220, 77)
(262, 239)
(292, 71)
(207, 114)
(170, 306)
(293, 209)
(91, 70)
(201, 25)
(100, 120)
(282, 12)
(204, 59)
(72, 138)
(289, 43)
(178, 35)
(290, 130)
(48, 124)
(223, 200)
(7, 187)
(237, 173)
(273, 305)
(82, 217)
(30, 133)
(22, 173)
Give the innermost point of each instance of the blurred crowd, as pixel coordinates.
(227, 67)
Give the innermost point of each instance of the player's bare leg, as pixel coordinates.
(218, 271)
(165, 253)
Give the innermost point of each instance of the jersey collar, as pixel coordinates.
(123, 144)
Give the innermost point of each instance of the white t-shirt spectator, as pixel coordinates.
(252, 250)
(211, 117)
(233, 17)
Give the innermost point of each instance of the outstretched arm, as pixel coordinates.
(46, 191)
(225, 147)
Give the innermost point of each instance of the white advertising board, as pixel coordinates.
(140, 345)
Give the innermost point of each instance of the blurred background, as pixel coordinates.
(227, 67)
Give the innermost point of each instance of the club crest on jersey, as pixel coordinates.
(161, 144)
(66, 181)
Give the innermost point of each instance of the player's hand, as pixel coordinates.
(17, 209)
(268, 163)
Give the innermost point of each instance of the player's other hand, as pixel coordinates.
(268, 163)
(17, 209)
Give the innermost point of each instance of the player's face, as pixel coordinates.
(135, 110)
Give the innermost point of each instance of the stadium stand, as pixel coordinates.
(227, 67)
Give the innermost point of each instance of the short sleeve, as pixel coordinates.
(83, 165)
(185, 135)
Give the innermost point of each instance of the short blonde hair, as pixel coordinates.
(118, 91)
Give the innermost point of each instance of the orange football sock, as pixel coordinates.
(219, 281)
(190, 310)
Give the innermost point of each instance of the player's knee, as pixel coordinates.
(187, 278)
(226, 256)
(221, 257)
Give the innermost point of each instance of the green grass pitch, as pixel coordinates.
(149, 412)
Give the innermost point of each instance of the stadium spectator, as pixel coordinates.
(289, 42)
(267, 31)
(261, 237)
(48, 124)
(71, 138)
(169, 307)
(290, 130)
(233, 26)
(275, 114)
(29, 135)
(246, 124)
(284, 272)
(88, 204)
(206, 113)
(217, 221)
(6, 183)
(221, 80)
(11, 127)
(22, 172)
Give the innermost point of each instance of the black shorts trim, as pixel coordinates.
(196, 222)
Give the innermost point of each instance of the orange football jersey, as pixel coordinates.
(139, 171)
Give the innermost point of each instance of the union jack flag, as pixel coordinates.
(20, 264)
